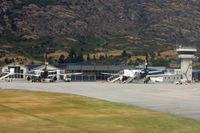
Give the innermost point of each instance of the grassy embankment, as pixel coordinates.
(33, 112)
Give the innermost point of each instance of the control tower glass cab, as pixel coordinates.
(186, 54)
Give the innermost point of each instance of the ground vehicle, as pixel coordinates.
(67, 79)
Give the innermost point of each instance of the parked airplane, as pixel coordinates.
(45, 75)
(41, 75)
(127, 76)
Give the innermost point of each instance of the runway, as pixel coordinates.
(183, 100)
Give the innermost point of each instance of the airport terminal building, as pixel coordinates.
(94, 72)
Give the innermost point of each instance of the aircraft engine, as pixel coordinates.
(55, 78)
(28, 78)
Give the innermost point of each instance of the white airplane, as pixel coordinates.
(45, 75)
(127, 76)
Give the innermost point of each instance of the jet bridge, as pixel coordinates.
(4, 75)
(116, 77)
(7, 74)
(125, 76)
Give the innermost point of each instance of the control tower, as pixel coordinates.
(186, 54)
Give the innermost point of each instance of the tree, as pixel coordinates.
(160, 62)
(94, 58)
(61, 59)
(106, 56)
(72, 53)
(133, 63)
(72, 56)
(50, 60)
(139, 53)
(7, 61)
(152, 54)
(88, 57)
(158, 53)
(79, 57)
(124, 54)
(32, 62)
(101, 58)
(106, 62)
(138, 60)
(198, 58)
(67, 60)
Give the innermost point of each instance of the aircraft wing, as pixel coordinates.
(154, 75)
(32, 75)
(69, 74)
(36, 71)
(52, 75)
(111, 73)
(73, 74)
(51, 71)
(154, 72)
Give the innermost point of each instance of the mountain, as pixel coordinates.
(28, 27)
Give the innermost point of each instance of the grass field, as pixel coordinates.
(41, 112)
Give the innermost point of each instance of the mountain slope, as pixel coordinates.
(115, 24)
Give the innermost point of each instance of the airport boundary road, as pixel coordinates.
(183, 100)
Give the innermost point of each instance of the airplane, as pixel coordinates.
(45, 75)
(128, 76)
(35, 75)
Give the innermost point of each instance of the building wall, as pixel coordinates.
(21, 70)
(186, 69)
(171, 78)
(93, 72)
(196, 75)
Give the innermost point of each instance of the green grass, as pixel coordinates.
(33, 112)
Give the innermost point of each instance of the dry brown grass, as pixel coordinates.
(33, 112)
(19, 59)
(109, 53)
(57, 55)
(134, 58)
(169, 53)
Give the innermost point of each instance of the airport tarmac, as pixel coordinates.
(183, 100)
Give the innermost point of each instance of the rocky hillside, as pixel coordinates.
(114, 24)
